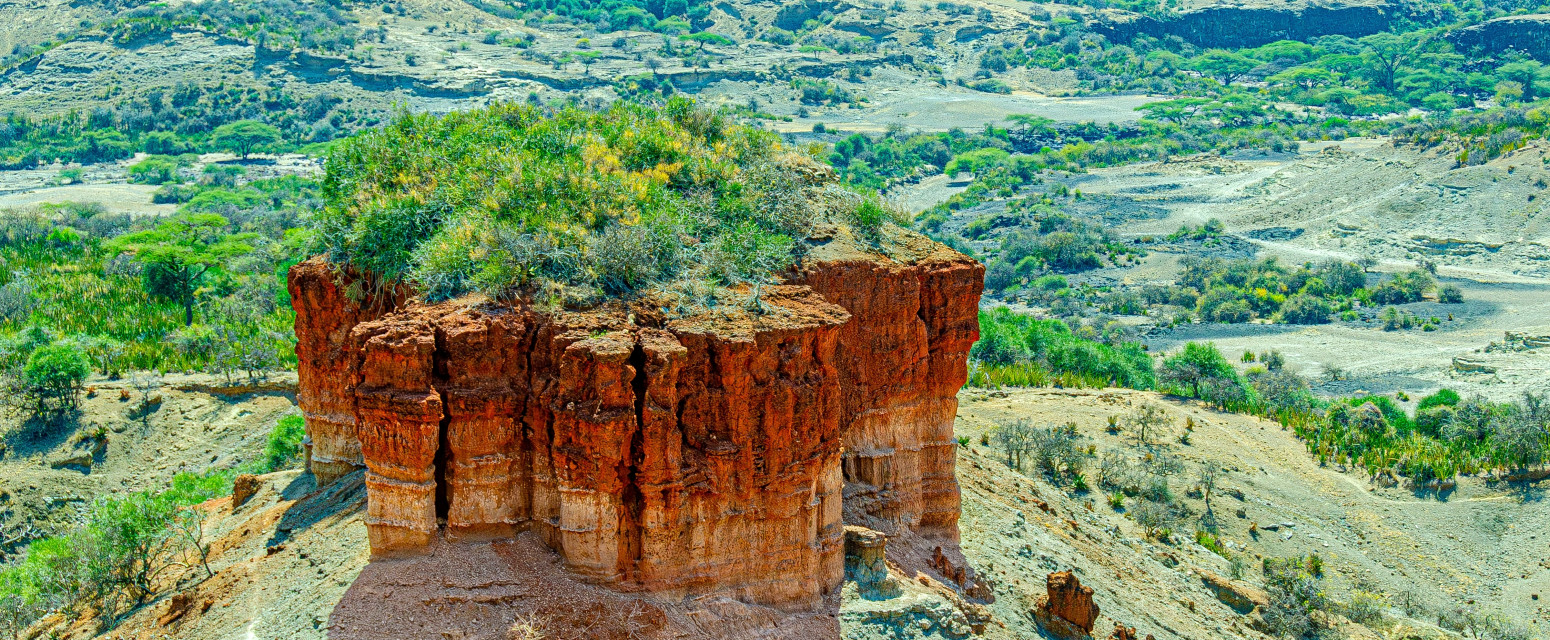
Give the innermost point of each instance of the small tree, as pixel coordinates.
(1014, 438)
(1195, 366)
(245, 137)
(1210, 473)
(51, 380)
(178, 253)
(1146, 420)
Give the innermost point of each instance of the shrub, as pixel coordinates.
(1404, 287)
(113, 562)
(154, 170)
(1060, 452)
(52, 377)
(1305, 309)
(284, 443)
(507, 197)
(1201, 371)
(1010, 342)
(1450, 294)
(1146, 421)
(1443, 397)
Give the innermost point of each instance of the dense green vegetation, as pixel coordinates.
(116, 560)
(666, 16)
(186, 118)
(201, 290)
(1217, 290)
(575, 205)
(1018, 350)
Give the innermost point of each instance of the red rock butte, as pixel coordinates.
(719, 453)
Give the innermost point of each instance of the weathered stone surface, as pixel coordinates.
(1251, 26)
(866, 559)
(1529, 34)
(1241, 596)
(325, 374)
(1068, 610)
(902, 359)
(684, 457)
(243, 488)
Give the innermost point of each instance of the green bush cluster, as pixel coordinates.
(507, 198)
(168, 122)
(113, 563)
(1018, 350)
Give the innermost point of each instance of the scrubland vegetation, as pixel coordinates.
(1443, 437)
(577, 206)
(129, 547)
(187, 118)
(196, 291)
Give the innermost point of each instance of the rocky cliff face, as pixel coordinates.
(1529, 34)
(324, 372)
(1252, 26)
(901, 359)
(691, 456)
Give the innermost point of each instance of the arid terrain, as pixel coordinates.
(423, 406)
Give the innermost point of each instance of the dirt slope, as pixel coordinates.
(1475, 547)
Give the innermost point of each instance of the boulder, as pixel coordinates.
(243, 488)
(1241, 596)
(866, 561)
(78, 459)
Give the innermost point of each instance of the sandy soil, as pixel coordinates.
(196, 426)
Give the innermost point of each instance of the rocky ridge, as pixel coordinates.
(1236, 25)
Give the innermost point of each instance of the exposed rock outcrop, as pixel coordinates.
(901, 360)
(1242, 597)
(866, 559)
(1067, 610)
(1529, 34)
(325, 372)
(687, 456)
(1252, 26)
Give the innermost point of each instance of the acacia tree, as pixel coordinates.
(1224, 66)
(176, 255)
(1383, 56)
(1198, 365)
(244, 137)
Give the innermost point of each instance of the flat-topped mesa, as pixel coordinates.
(682, 457)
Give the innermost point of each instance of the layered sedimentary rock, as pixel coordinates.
(1251, 26)
(324, 371)
(686, 456)
(901, 358)
(1067, 609)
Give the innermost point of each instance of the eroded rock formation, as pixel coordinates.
(1067, 610)
(685, 456)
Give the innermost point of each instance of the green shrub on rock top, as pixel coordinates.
(494, 200)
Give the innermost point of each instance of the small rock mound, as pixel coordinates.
(1068, 610)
